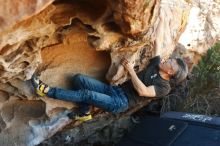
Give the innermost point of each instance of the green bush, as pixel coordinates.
(206, 75)
(204, 86)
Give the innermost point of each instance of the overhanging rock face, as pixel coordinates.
(59, 39)
(202, 29)
(13, 12)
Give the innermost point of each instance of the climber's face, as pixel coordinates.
(169, 66)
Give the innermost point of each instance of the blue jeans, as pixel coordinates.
(90, 91)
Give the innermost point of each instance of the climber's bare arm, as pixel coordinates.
(142, 90)
(118, 75)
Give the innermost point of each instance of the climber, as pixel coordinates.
(153, 81)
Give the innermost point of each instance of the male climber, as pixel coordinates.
(153, 81)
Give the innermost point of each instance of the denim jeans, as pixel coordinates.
(87, 90)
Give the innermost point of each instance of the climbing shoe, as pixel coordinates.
(39, 86)
(82, 117)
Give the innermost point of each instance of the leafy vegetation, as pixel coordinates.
(204, 86)
(206, 75)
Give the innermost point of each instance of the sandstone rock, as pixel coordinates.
(57, 40)
(202, 30)
(164, 27)
(12, 12)
(134, 17)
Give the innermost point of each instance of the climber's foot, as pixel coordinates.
(40, 88)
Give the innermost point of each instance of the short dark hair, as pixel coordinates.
(182, 70)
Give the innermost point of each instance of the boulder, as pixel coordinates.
(58, 39)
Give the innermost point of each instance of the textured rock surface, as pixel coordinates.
(133, 17)
(159, 37)
(60, 39)
(202, 30)
(12, 12)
